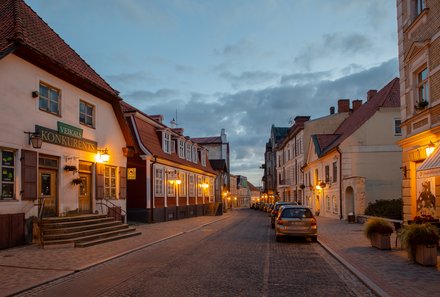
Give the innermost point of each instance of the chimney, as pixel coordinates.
(356, 104)
(343, 105)
(223, 135)
(370, 94)
(301, 119)
(332, 110)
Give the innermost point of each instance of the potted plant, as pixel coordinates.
(77, 181)
(70, 168)
(421, 242)
(378, 231)
(421, 104)
(302, 186)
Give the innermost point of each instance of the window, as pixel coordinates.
(181, 148)
(49, 99)
(199, 186)
(188, 151)
(422, 86)
(316, 176)
(335, 172)
(8, 174)
(110, 182)
(171, 186)
(397, 129)
(203, 158)
(166, 142)
(182, 186)
(158, 182)
(419, 6)
(327, 199)
(191, 186)
(327, 174)
(335, 204)
(195, 158)
(86, 114)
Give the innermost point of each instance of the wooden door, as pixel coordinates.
(85, 200)
(48, 191)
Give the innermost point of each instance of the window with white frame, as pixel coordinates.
(8, 174)
(335, 204)
(203, 158)
(158, 181)
(188, 151)
(199, 186)
(211, 187)
(181, 148)
(171, 187)
(182, 186)
(49, 99)
(110, 182)
(86, 114)
(327, 198)
(191, 185)
(195, 157)
(166, 142)
(422, 86)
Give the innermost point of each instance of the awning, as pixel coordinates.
(431, 166)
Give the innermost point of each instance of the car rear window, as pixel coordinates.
(297, 213)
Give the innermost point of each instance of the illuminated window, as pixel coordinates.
(110, 182)
(158, 182)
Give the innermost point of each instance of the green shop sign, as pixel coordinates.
(69, 130)
(54, 137)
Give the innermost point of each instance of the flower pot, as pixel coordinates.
(381, 241)
(426, 255)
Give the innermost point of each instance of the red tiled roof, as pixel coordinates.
(252, 187)
(207, 140)
(150, 138)
(388, 96)
(23, 32)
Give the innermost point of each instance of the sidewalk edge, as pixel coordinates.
(362, 277)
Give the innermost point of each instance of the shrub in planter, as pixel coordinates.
(420, 240)
(77, 181)
(378, 231)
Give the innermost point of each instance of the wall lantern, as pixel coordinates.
(102, 156)
(429, 149)
(35, 139)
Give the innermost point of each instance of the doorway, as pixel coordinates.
(349, 200)
(48, 191)
(85, 188)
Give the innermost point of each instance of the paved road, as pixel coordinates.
(234, 257)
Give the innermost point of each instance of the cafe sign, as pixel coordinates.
(69, 130)
(67, 138)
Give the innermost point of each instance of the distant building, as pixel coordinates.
(244, 193)
(419, 60)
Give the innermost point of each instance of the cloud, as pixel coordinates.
(131, 78)
(333, 45)
(304, 78)
(240, 48)
(248, 78)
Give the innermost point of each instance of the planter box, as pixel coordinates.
(426, 255)
(381, 241)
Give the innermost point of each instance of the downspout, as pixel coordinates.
(340, 183)
(153, 162)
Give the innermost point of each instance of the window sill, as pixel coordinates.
(415, 21)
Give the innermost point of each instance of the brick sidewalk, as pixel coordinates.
(390, 271)
(24, 267)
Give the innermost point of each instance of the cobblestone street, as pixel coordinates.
(234, 257)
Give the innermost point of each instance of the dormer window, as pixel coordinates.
(195, 158)
(181, 149)
(203, 158)
(188, 151)
(166, 142)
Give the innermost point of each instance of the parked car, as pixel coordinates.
(274, 212)
(296, 220)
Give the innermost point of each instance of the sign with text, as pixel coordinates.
(52, 136)
(69, 130)
(131, 173)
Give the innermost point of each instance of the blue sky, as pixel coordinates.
(241, 65)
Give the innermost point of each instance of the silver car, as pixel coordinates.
(296, 220)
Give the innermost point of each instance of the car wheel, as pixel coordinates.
(277, 238)
(314, 238)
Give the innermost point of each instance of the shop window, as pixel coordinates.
(8, 174)
(191, 185)
(49, 99)
(182, 186)
(110, 182)
(199, 186)
(86, 114)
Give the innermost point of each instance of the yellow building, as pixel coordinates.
(419, 59)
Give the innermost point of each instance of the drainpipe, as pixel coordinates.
(153, 161)
(340, 183)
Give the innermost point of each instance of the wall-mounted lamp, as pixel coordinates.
(430, 149)
(102, 156)
(35, 139)
(35, 94)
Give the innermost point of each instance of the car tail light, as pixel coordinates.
(280, 222)
(313, 222)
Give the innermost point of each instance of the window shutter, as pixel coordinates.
(122, 183)
(100, 181)
(29, 175)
